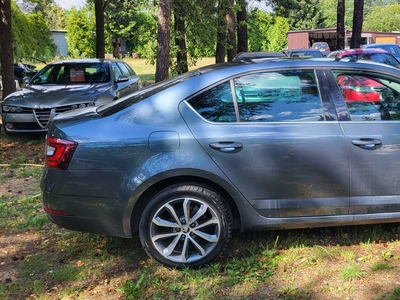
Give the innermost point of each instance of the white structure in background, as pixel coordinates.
(60, 40)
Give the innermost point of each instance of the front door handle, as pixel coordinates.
(367, 143)
(227, 146)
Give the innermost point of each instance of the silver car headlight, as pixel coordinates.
(8, 108)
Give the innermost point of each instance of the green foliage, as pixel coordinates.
(31, 36)
(139, 29)
(352, 271)
(305, 14)
(134, 290)
(81, 32)
(277, 34)
(394, 295)
(55, 17)
(381, 266)
(201, 28)
(259, 24)
(378, 19)
(328, 10)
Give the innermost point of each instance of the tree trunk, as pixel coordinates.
(242, 34)
(340, 43)
(180, 42)
(231, 41)
(99, 12)
(6, 45)
(163, 36)
(221, 35)
(357, 24)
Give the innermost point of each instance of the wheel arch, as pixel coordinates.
(153, 189)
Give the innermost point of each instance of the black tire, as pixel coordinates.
(179, 239)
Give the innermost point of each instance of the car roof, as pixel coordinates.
(304, 49)
(290, 63)
(380, 44)
(255, 55)
(361, 50)
(84, 60)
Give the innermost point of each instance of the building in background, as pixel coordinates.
(60, 40)
(305, 38)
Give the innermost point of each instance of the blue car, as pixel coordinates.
(247, 145)
(393, 49)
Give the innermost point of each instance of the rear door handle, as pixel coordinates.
(227, 146)
(367, 143)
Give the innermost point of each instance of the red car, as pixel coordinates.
(360, 88)
(376, 55)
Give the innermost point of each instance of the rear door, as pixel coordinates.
(276, 136)
(373, 138)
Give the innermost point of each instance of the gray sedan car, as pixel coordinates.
(247, 145)
(66, 85)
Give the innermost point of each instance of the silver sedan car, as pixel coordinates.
(66, 85)
(248, 145)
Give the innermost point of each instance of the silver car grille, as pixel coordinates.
(42, 115)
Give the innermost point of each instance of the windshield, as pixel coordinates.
(73, 73)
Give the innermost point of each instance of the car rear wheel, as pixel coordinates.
(185, 226)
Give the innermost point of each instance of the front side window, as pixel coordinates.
(370, 97)
(124, 69)
(280, 96)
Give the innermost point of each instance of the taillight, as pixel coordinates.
(59, 152)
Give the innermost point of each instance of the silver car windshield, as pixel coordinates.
(73, 73)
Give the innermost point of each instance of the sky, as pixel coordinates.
(68, 4)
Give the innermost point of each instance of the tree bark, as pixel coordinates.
(357, 24)
(6, 49)
(99, 13)
(231, 25)
(163, 36)
(180, 42)
(221, 35)
(340, 30)
(242, 32)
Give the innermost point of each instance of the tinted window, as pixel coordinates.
(73, 73)
(369, 97)
(307, 54)
(216, 104)
(116, 70)
(263, 97)
(124, 69)
(392, 49)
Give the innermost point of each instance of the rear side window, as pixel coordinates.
(370, 97)
(284, 96)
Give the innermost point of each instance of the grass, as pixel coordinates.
(281, 264)
(41, 261)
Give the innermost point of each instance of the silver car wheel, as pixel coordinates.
(185, 230)
(185, 226)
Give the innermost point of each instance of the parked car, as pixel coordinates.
(248, 145)
(21, 70)
(377, 55)
(66, 85)
(321, 46)
(393, 49)
(257, 55)
(303, 53)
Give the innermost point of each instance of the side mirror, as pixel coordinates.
(122, 78)
(26, 79)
